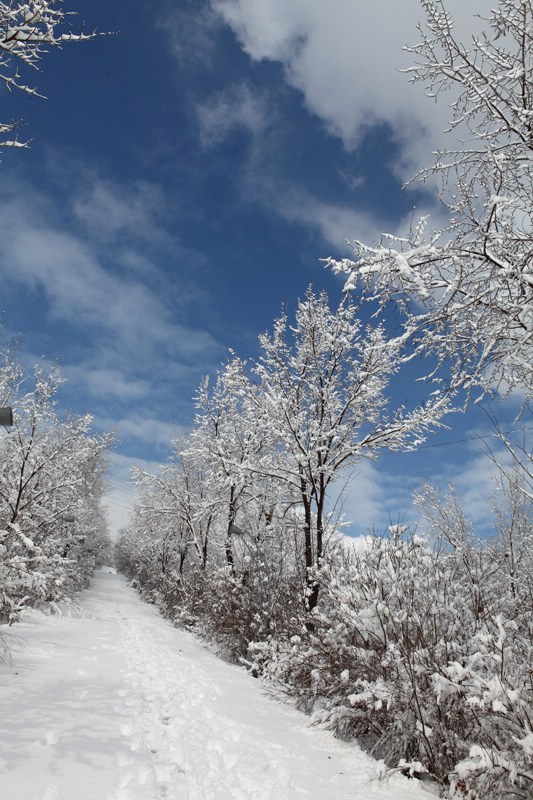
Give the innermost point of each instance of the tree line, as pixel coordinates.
(419, 644)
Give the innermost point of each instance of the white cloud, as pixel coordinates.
(476, 482)
(190, 31)
(109, 383)
(143, 426)
(344, 57)
(335, 223)
(375, 498)
(475, 485)
(338, 224)
(345, 62)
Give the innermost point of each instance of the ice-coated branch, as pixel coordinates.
(27, 32)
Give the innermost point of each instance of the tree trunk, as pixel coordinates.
(231, 520)
(311, 587)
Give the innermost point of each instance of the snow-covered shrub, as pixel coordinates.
(494, 687)
(490, 681)
(248, 605)
(400, 655)
(363, 661)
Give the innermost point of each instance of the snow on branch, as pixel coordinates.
(466, 290)
(27, 32)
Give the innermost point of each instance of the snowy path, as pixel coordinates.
(116, 704)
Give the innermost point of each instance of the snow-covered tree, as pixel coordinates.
(28, 29)
(154, 548)
(227, 441)
(187, 485)
(217, 444)
(231, 582)
(167, 544)
(323, 402)
(52, 529)
(467, 289)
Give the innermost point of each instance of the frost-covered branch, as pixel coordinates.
(466, 290)
(28, 30)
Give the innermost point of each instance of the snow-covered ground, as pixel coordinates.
(113, 703)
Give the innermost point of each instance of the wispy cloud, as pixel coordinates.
(336, 223)
(189, 29)
(111, 210)
(373, 499)
(109, 383)
(118, 318)
(237, 106)
(140, 426)
(80, 291)
(377, 496)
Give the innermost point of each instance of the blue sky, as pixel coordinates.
(186, 177)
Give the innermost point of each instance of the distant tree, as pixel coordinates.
(28, 29)
(217, 445)
(226, 441)
(467, 289)
(158, 541)
(169, 535)
(173, 498)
